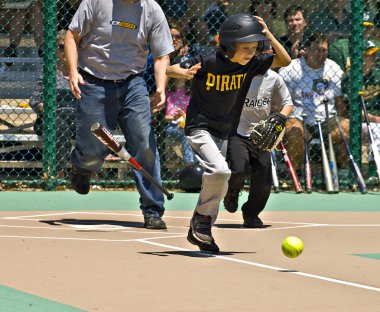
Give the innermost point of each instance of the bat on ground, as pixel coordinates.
(292, 172)
(276, 185)
(331, 155)
(325, 162)
(355, 167)
(308, 176)
(375, 151)
(109, 140)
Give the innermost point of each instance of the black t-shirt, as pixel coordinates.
(215, 91)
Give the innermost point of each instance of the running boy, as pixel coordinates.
(217, 93)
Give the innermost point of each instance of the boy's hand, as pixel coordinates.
(266, 31)
(190, 72)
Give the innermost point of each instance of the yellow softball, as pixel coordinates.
(292, 246)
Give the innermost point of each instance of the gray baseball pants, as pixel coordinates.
(210, 152)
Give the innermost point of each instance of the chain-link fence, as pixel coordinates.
(37, 112)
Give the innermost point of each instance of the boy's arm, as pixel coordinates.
(175, 71)
(281, 57)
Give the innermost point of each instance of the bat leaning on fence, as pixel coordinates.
(109, 140)
(307, 171)
(276, 185)
(331, 154)
(291, 171)
(355, 167)
(375, 151)
(325, 162)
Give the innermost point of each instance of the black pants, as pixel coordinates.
(248, 162)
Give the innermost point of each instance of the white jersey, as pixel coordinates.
(309, 87)
(263, 91)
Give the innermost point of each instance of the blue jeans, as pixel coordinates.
(125, 104)
(176, 133)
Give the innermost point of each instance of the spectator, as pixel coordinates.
(198, 37)
(267, 9)
(181, 49)
(178, 98)
(311, 79)
(267, 94)
(371, 89)
(339, 50)
(106, 74)
(332, 21)
(296, 23)
(24, 15)
(214, 16)
(65, 112)
(175, 114)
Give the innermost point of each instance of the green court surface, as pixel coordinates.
(375, 256)
(12, 300)
(127, 200)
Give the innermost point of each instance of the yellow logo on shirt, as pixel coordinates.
(224, 82)
(123, 24)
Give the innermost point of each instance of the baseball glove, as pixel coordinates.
(268, 132)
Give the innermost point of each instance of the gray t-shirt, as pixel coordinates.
(115, 37)
(265, 90)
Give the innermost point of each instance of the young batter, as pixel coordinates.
(267, 93)
(217, 92)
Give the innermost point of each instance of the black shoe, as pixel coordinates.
(211, 248)
(154, 223)
(10, 51)
(231, 200)
(80, 182)
(252, 221)
(201, 228)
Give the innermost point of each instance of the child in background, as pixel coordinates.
(177, 101)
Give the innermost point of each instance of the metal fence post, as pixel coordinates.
(49, 94)
(356, 81)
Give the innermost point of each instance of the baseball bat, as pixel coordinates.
(325, 162)
(331, 154)
(292, 172)
(355, 167)
(307, 172)
(109, 140)
(276, 185)
(375, 151)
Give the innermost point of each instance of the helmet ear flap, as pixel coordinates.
(228, 50)
(260, 48)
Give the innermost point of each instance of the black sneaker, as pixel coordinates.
(231, 200)
(252, 221)
(154, 223)
(80, 182)
(201, 228)
(211, 248)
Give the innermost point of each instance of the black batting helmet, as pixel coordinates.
(240, 28)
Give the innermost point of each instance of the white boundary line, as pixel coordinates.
(264, 266)
(90, 239)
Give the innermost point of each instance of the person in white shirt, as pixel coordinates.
(311, 80)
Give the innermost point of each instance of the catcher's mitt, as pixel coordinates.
(269, 132)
